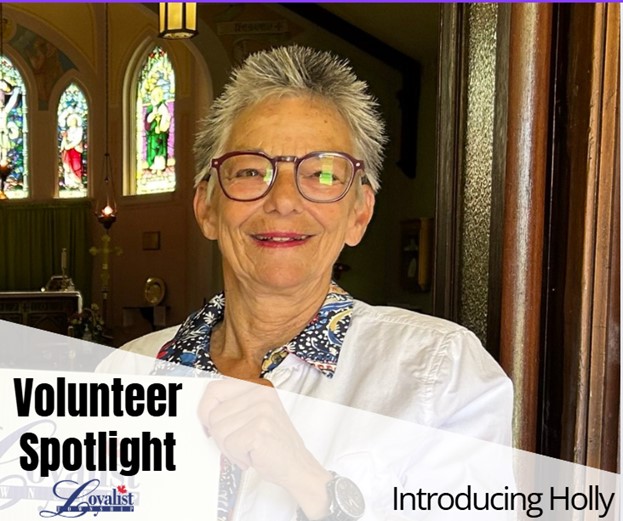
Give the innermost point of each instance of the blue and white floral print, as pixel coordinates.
(318, 344)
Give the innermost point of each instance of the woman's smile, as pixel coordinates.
(280, 239)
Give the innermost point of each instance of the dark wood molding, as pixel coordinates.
(555, 249)
(451, 92)
(581, 169)
(498, 175)
(610, 435)
(604, 326)
(580, 380)
(524, 204)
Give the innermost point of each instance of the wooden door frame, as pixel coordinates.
(521, 312)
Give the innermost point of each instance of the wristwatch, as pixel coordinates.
(346, 501)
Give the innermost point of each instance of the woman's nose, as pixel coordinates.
(284, 196)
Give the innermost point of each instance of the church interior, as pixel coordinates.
(154, 236)
(98, 113)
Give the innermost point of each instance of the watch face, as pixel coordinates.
(349, 498)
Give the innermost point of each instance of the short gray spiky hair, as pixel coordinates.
(295, 71)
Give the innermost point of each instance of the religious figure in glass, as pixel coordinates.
(9, 131)
(13, 131)
(72, 122)
(72, 149)
(155, 125)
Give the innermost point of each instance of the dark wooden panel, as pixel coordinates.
(49, 311)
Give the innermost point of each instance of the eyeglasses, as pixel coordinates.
(321, 177)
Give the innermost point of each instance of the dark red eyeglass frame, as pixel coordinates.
(357, 164)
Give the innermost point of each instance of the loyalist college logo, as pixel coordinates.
(80, 499)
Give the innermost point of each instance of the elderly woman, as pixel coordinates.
(289, 163)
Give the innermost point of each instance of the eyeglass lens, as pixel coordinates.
(321, 177)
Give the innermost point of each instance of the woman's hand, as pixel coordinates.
(249, 424)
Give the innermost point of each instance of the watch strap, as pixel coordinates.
(338, 511)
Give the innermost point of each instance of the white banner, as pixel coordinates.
(136, 438)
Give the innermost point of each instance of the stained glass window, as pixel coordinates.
(72, 121)
(155, 125)
(13, 131)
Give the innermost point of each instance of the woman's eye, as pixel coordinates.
(247, 172)
(324, 178)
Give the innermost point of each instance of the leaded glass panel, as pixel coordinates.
(155, 125)
(13, 130)
(72, 122)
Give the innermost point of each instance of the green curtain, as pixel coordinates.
(32, 236)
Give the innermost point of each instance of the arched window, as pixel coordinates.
(13, 130)
(72, 125)
(155, 125)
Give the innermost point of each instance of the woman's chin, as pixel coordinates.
(279, 280)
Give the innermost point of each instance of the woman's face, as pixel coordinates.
(282, 240)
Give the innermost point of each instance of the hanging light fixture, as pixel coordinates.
(106, 206)
(106, 209)
(178, 20)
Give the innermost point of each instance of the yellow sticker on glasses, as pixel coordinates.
(268, 175)
(326, 172)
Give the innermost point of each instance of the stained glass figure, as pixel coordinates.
(72, 124)
(13, 130)
(155, 125)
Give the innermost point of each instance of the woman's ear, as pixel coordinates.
(204, 211)
(360, 217)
